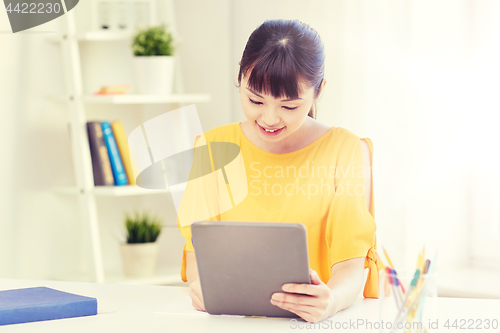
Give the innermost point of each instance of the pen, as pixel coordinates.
(426, 268)
(396, 284)
(417, 313)
(422, 262)
(410, 291)
(388, 259)
(392, 266)
(413, 303)
(422, 291)
(430, 270)
(421, 268)
(391, 279)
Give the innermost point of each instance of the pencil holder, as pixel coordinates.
(407, 301)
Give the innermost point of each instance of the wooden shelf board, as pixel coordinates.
(118, 191)
(147, 99)
(99, 36)
(113, 191)
(138, 99)
(96, 36)
(105, 36)
(128, 1)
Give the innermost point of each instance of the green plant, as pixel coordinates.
(153, 41)
(142, 228)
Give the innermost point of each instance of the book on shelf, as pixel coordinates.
(101, 166)
(115, 159)
(122, 142)
(111, 160)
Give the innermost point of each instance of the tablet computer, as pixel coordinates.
(241, 264)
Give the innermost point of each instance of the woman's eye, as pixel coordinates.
(254, 102)
(285, 107)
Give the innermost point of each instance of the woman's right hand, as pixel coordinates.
(197, 296)
(194, 281)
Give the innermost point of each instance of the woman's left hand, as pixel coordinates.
(315, 304)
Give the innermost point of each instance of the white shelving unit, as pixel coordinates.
(112, 191)
(76, 101)
(139, 99)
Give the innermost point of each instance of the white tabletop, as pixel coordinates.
(131, 308)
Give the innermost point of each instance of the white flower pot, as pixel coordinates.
(154, 75)
(139, 260)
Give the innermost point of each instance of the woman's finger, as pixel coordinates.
(304, 303)
(197, 296)
(296, 299)
(197, 303)
(314, 277)
(299, 311)
(198, 307)
(310, 314)
(306, 289)
(196, 288)
(307, 316)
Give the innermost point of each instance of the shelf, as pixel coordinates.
(113, 191)
(127, 1)
(105, 36)
(100, 36)
(108, 36)
(147, 99)
(139, 99)
(120, 191)
(71, 42)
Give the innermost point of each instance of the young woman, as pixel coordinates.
(299, 170)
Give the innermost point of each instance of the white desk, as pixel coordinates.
(131, 308)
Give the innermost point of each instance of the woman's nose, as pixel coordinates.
(270, 118)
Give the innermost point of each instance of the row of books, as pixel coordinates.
(110, 154)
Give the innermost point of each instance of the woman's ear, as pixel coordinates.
(321, 88)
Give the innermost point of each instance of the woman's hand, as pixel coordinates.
(316, 303)
(197, 296)
(194, 281)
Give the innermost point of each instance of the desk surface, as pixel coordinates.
(131, 308)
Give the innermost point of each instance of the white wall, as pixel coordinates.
(413, 77)
(9, 95)
(420, 83)
(41, 235)
(37, 229)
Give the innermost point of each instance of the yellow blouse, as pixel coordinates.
(321, 186)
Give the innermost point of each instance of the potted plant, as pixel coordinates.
(140, 252)
(154, 61)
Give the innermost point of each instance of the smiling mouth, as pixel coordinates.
(271, 130)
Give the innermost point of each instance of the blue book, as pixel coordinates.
(114, 155)
(41, 303)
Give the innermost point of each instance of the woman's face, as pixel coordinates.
(275, 119)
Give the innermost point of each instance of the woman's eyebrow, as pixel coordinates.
(283, 100)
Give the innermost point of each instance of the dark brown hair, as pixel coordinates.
(280, 53)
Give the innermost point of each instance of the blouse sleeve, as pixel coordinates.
(201, 199)
(351, 227)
